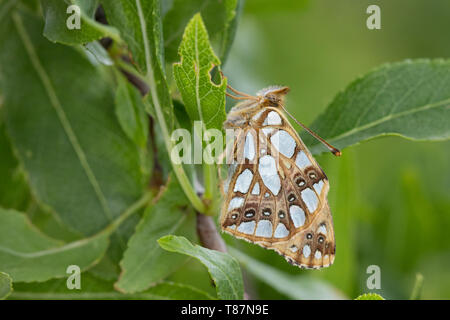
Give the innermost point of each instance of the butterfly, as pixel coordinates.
(275, 194)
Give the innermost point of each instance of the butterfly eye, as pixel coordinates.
(250, 213)
(300, 182)
(291, 198)
(281, 214)
(266, 212)
(309, 236)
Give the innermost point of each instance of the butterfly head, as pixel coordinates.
(272, 96)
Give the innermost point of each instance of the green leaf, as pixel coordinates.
(130, 111)
(56, 16)
(33, 5)
(15, 193)
(49, 223)
(26, 254)
(223, 268)
(78, 160)
(99, 53)
(5, 285)
(177, 291)
(410, 99)
(140, 25)
(13, 185)
(105, 269)
(203, 99)
(294, 287)
(94, 288)
(370, 296)
(144, 262)
(220, 20)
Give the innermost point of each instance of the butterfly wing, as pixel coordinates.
(276, 195)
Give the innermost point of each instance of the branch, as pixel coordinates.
(208, 234)
(210, 238)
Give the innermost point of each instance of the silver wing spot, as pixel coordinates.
(297, 215)
(281, 231)
(247, 227)
(264, 229)
(272, 119)
(284, 143)
(310, 199)
(268, 171)
(243, 181)
(236, 202)
(249, 147)
(302, 160)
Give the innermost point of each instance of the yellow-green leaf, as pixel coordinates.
(27, 254)
(203, 99)
(56, 19)
(409, 99)
(144, 262)
(5, 285)
(222, 267)
(64, 131)
(370, 296)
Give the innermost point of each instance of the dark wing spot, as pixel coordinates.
(300, 182)
(250, 213)
(266, 212)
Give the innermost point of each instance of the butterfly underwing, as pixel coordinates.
(275, 194)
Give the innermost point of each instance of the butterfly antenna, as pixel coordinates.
(235, 97)
(239, 92)
(244, 96)
(332, 149)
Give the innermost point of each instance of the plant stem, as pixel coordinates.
(417, 290)
(209, 175)
(126, 67)
(208, 235)
(210, 238)
(150, 79)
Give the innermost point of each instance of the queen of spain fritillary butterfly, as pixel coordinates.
(276, 193)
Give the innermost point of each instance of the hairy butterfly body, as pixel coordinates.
(275, 192)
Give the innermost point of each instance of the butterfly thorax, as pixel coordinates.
(242, 113)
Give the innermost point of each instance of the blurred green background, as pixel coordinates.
(389, 196)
